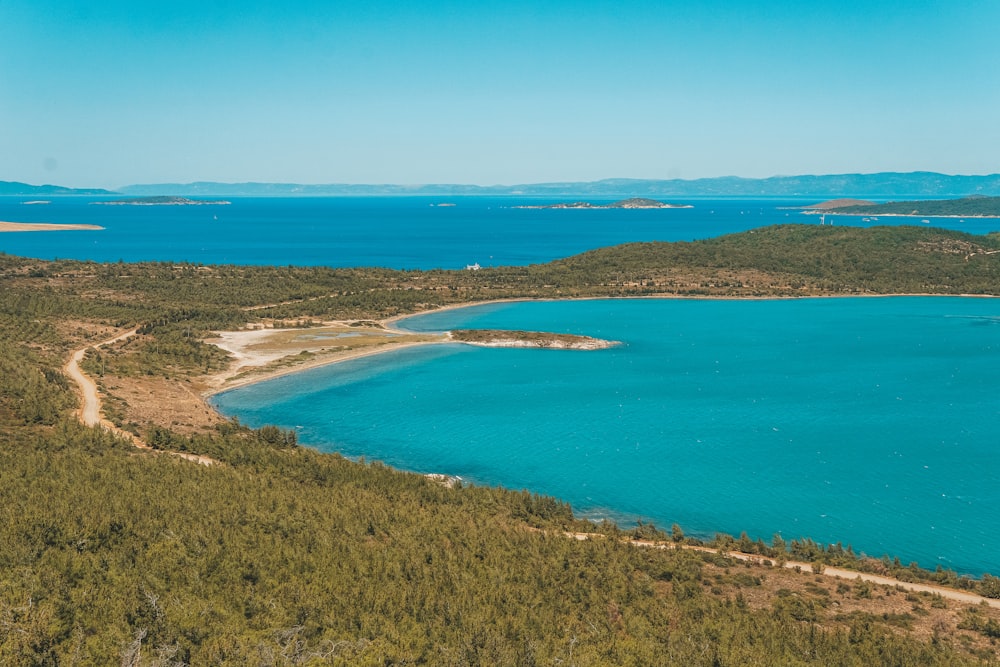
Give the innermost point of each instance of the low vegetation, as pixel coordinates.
(502, 338)
(280, 555)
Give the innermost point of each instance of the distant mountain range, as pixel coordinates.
(885, 185)
(14, 188)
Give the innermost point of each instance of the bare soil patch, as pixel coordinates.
(176, 404)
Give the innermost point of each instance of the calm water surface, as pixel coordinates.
(392, 232)
(868, 421)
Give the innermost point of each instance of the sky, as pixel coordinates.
(111, 93)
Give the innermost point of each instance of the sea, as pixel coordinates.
(392, 232)
(865, 421)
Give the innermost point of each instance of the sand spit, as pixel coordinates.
(262, 354)
(42, 227)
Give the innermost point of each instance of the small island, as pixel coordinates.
(634, 202)
(162, 201)
(536, 339)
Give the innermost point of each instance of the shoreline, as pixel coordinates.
(331, 360)
(257, 372)
(389, 326)
(89, 413)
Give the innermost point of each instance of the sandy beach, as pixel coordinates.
(263, 354)
(42, 227)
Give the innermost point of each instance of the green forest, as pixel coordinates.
(280, 555)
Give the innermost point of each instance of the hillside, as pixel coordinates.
(281, 555)
(15, 188)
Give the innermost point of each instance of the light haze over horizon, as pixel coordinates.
(115, 93)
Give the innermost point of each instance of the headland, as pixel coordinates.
(966, 207)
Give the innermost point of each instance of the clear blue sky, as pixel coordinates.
(112, 92)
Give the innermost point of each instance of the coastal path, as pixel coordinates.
(837, 572)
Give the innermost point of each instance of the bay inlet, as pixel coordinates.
(862, 420)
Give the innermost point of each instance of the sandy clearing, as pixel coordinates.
(263, 354)
(42, 227)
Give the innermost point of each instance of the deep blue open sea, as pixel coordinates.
(871, 421)
(393, 232)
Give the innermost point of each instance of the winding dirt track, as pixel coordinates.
(90, 406)
(90, 409)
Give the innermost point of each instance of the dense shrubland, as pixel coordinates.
(281, 555)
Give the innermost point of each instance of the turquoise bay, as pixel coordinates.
(870, 421)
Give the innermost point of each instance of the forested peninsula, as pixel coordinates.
(966, 207)
(277, 554)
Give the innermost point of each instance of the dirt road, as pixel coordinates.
(90, 406)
